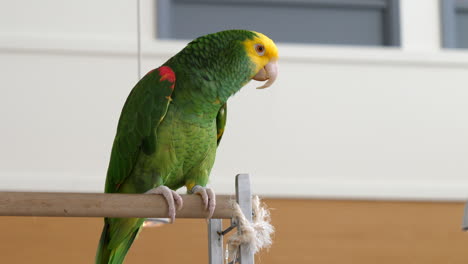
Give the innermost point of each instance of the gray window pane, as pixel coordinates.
(455, 23)
(371, 22)
(461, 24)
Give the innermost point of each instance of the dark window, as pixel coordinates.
(350, 22)
(455, 23)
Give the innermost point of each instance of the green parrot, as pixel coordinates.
(172, 123)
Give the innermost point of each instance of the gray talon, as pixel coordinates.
(173, 199)
(208, 197)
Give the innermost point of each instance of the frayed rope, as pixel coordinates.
(254, 235)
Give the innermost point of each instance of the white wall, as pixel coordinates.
(340, 121)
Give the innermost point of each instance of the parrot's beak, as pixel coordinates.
(269, 72)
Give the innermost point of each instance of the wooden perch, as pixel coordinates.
(105, 205)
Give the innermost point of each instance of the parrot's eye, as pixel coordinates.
(260, 49)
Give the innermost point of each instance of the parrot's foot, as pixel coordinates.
(208, 196)
(173, 199)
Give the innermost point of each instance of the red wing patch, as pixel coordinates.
(167, 74)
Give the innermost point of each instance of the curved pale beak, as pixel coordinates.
(267, 73)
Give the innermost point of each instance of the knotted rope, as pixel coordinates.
(253, 235)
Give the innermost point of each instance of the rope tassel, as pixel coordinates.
(253, 235)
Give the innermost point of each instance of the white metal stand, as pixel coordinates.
(215, 226)
(465, 218)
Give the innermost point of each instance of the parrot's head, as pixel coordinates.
(263, 54)
(230, 59)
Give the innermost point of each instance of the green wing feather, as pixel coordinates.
(221, 121)
(145, 108)
(143, 111)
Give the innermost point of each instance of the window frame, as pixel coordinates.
(391, 32)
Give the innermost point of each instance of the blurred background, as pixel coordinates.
(360, 147)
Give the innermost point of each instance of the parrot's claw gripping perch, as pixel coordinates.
(208, 196)
(173, 199)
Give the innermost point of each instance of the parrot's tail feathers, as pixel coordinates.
(118, 254)
(103, 252)
(106, 255)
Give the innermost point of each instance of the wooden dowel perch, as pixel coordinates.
(106, 205)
